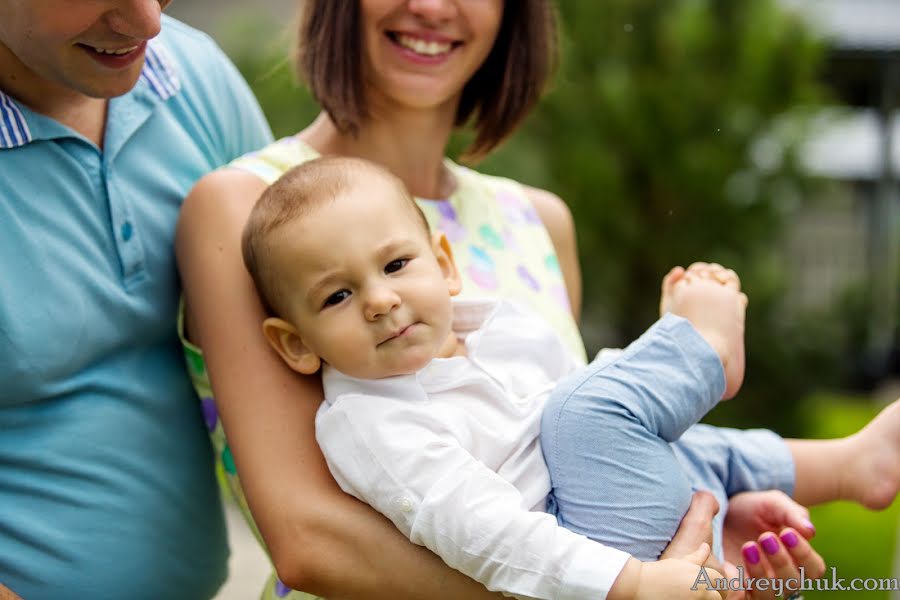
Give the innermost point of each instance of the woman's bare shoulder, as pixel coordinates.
(218, 205)
(554, 213)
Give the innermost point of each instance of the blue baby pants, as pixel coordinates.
(625, 453)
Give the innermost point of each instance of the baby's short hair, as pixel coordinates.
(297, 193)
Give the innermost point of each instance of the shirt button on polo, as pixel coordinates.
(405, 505)
(127, 230)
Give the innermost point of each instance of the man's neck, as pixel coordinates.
(80, 113)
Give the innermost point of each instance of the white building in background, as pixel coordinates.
(835, 246)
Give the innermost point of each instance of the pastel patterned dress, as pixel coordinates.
(501, 249)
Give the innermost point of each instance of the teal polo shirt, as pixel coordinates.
(107, 488)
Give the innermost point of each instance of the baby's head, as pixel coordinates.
(349, 272)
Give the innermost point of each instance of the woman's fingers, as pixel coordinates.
(802, 553)
(755, 568)
(778, 559)
(781, 563)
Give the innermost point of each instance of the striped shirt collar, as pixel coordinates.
(159, 73)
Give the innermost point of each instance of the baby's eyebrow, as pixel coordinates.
(317, 288)
(392, 246)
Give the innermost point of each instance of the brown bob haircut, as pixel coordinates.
(496, 99)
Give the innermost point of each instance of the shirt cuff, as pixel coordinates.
(593, 571)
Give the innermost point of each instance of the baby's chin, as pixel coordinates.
(400, 366)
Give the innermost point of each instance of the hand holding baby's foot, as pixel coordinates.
(873, 477)
(709, 296)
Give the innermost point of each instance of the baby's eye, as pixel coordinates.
(336, 298)
(395, 265)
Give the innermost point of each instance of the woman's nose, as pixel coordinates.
(433, 11)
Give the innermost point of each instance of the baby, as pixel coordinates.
(433, 405)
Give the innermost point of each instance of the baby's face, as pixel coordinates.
(367, 291)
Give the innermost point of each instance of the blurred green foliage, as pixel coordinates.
(671, 134)
(855, 541)
(670, 131)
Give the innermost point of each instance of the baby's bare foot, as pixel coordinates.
(717, 310)
(668, 289)
(873, 476)
(716, 272)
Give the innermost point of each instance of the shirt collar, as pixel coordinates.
(159, 73)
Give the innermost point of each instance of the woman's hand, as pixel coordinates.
(766, 533)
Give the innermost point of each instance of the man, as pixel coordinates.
(106, 485)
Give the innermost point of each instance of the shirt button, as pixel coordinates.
(406, 505)
(127, 230)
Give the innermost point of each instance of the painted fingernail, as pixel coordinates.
(808, 524)
(789, 538)
(769, 544)
(750, 554)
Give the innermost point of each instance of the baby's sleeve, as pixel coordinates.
(387, 454)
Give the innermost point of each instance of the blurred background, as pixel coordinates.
(762, 134)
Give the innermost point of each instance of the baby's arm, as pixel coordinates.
(441, 497)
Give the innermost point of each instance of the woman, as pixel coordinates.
(395, 78)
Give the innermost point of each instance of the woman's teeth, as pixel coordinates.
(423, 47)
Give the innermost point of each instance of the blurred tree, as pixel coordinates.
(262, 51)
(668, 134)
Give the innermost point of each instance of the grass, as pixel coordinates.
(855, 541)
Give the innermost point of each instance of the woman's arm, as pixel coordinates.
(557, 218)
(320, 539)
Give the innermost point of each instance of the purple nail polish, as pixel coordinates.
(789, 538)
(750, 554)
(769, 544)
(810, 526)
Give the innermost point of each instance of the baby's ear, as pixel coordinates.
(444, 254)
(283, 337)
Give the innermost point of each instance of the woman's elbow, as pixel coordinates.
(315, 556)
(296, 557)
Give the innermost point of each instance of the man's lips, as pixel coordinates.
(114, 57)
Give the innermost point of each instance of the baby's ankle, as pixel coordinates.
(732, 364)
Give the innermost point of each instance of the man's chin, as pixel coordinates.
(109, 91)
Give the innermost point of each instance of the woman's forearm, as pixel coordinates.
(350, 551)
(320, 539)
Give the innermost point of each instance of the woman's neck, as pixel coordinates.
(411, 145)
